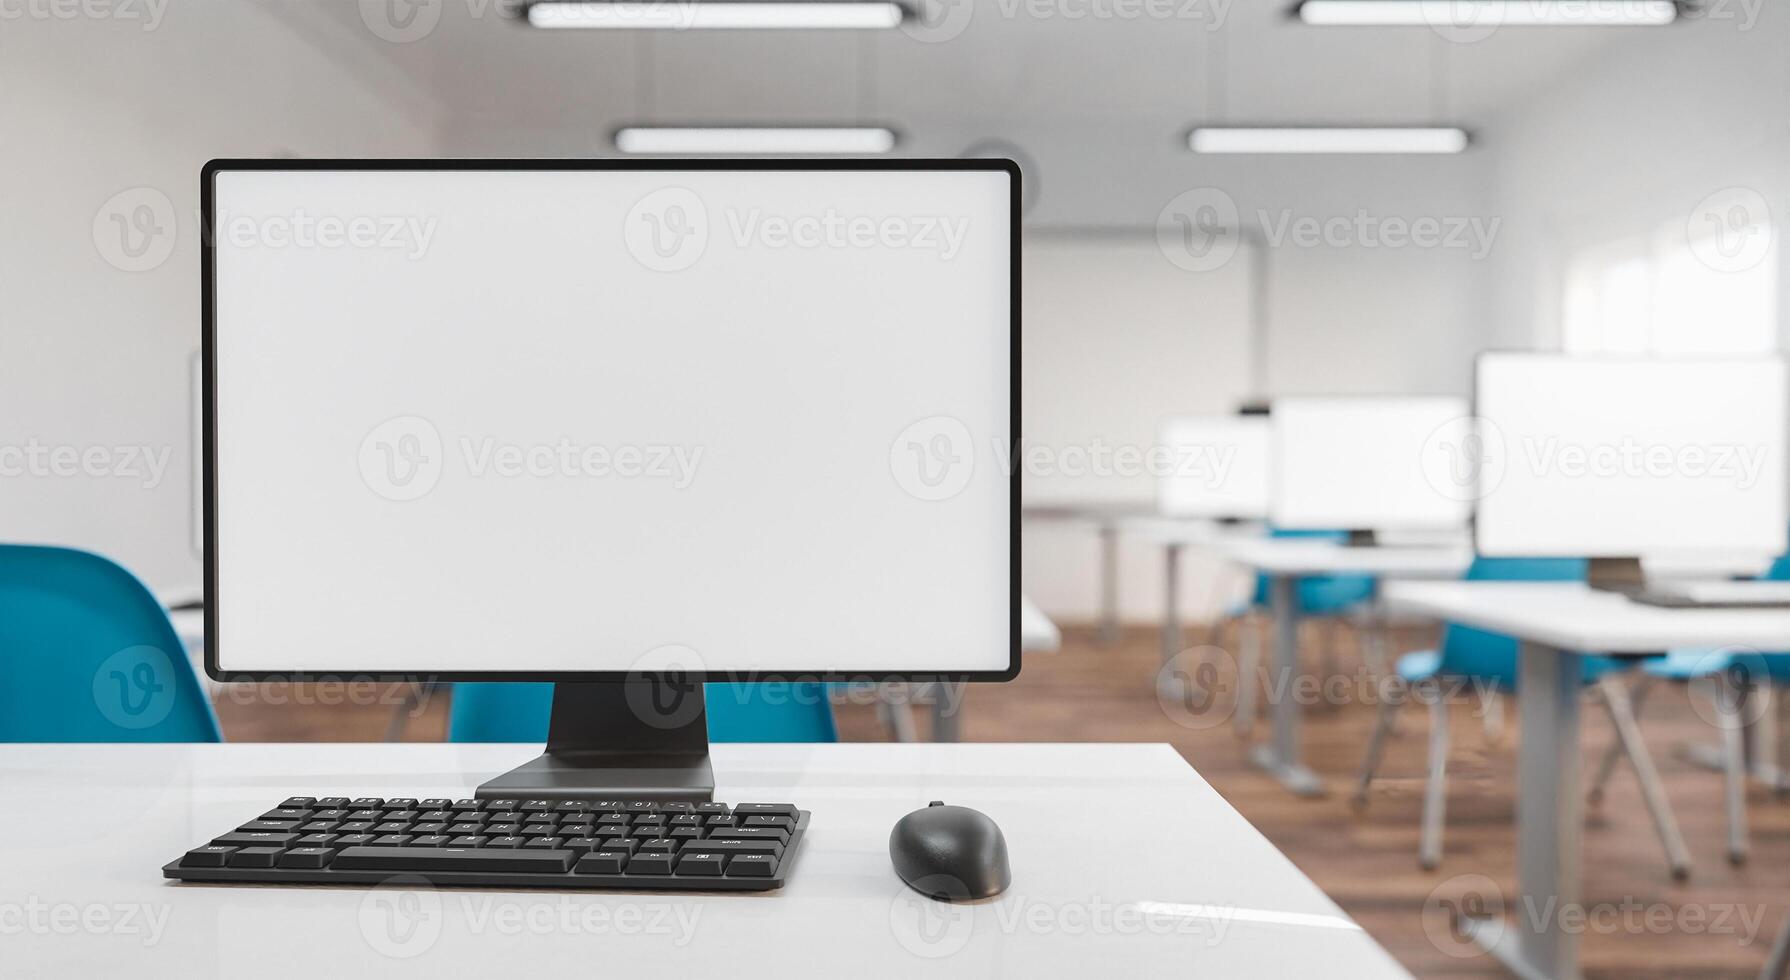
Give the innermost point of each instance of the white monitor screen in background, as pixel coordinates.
(1217, 467)
(603, 419)
(1358, 463)
(1627, 457)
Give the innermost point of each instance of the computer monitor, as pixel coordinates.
(1615, 458)
(628, 426)
(1357, 464)
(1217, 467)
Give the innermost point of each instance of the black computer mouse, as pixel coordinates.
(950, 853)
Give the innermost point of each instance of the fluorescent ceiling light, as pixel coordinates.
(715, 14)
(1488, 13)
(842, 139)
(1316, 139)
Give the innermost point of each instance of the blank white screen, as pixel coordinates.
(1592, 457)
(1357, 463)
(1218, 467)
(540, 315)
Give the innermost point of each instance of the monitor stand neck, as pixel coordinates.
(1359, 538)
(1622, 575)
(642, 739)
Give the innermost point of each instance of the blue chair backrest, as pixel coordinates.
(88, 655)
(1492, 657)
(772, 712)
(1318, 595)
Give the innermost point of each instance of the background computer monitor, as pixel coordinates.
(581, 420)
(1218, 467)
(1357, 463)
(1625, 457)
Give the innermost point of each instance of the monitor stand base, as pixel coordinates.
(1622, 575)
(1359, 538)
(632, 740)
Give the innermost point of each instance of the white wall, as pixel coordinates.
(1644, 132)
(93, 356)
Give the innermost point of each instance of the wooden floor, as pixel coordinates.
(1365, 860)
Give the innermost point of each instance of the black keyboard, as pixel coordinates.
(592, 844)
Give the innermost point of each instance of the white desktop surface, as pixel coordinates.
(1036, 632)
(1307, 556)
(1238, 907)
(1573, 616)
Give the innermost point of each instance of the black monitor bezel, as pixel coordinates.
(208, 310)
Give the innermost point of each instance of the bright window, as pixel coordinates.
(1706, 286)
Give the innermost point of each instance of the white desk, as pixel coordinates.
(1176, 535)
(1037, 634)
(1105, 517)
(1204, 895)
(1555, 620)
(1285, 561)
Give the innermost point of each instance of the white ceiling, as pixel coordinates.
(1089, 95)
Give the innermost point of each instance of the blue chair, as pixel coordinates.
(1489, 661)
(1729, 675)
(89, 655)
(736, 713)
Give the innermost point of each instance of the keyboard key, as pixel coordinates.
(612, 820)
(537, 806)
(435, 803)
(366, 813)
(465, 828)
(353, 840)
(254, 857)
(436, 816)
(686, 820)
(286, 813)
(452, 859)
(626, 845)
(552, 843)
(463, 806)
(751, 866)
(429, 840)
(316, 840)
(677, 808)
(662, 844)
(468, 841)
(408, 816)
(582, 845)
(392, 840)
(333, 802)
(601, 863)
(712, 809)
(770, 847)
(306, 857)
(401, 803)
(763, 821)
(700, 863)
(503, 816)
(355, 826)
(394, 827)
(299, 802)
(366, 802)
(502, 804)
(333, 813)
(276, 825)
(256, 839)
(504, 829)
(721, 820)
(318, 827)
(209, 856)
(681, 834)
(506, 841)
(428, 828)
(765, 809)
(573, 806)
(646, 863)
(777, 834)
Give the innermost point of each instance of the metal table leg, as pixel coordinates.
(1550, 820)
(1280, 756)
(1171, 602)
(1109, 583)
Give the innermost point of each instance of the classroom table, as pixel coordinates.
(1286, 560)
(85, 829)
(1175, 535)
(1554, 622)
(1106, 518)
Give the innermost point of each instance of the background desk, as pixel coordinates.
(89, 826)
(1554, 621)
(1284, 561)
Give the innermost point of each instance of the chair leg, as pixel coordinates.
(1777, 965)
(897, 712)
(1623, 719)
(1435, 787)
(1376, 745)
(1249, 663)
(1607, 765)
(1734, 766)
